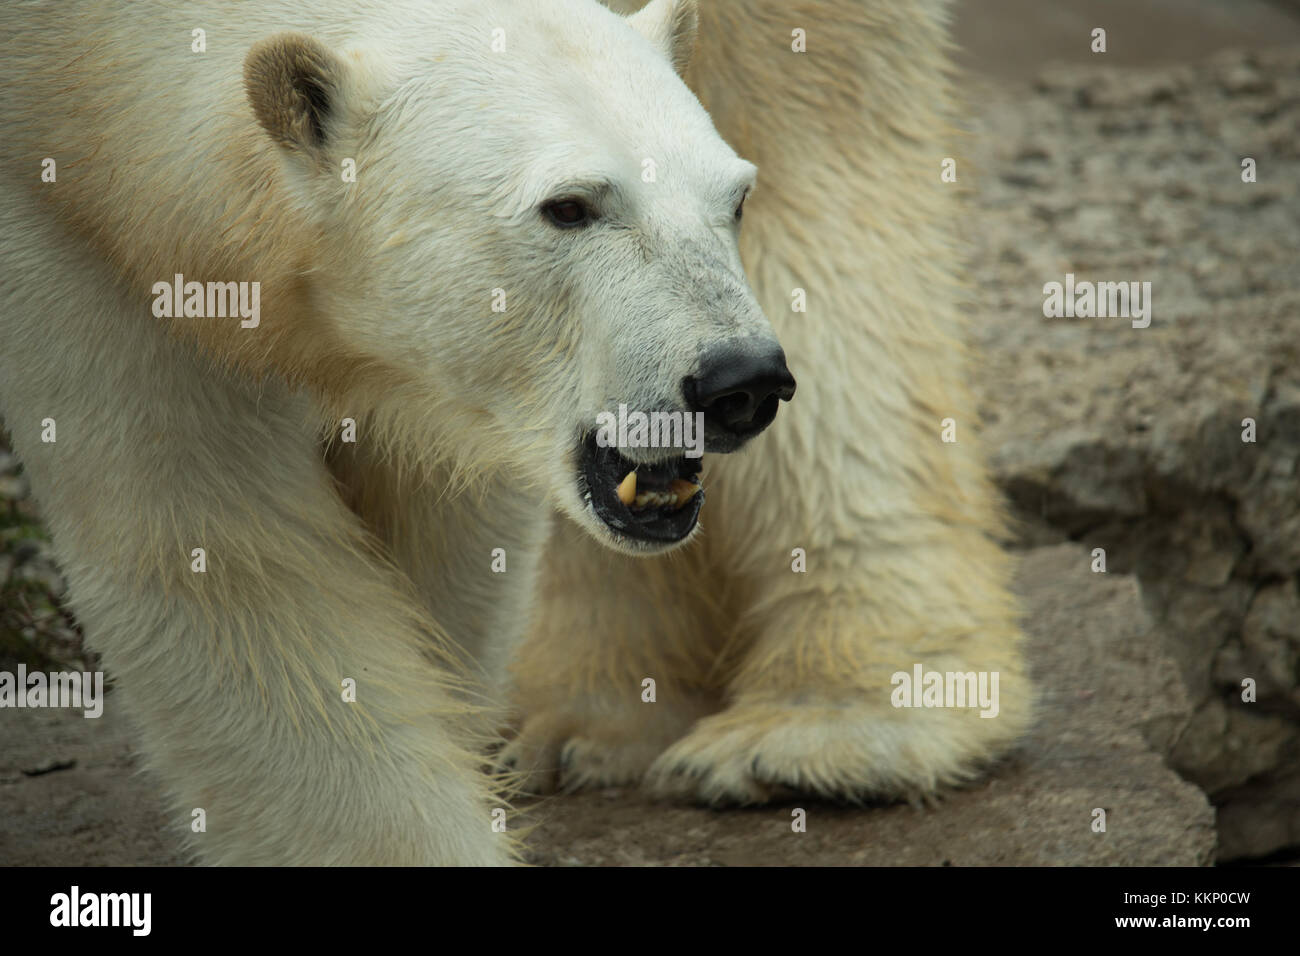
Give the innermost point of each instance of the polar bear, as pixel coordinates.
(853, 543)
(307, 315)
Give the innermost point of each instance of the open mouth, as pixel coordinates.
(657, 503)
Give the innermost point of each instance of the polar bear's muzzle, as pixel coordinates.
(650, 504)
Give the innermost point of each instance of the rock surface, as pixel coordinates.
(1131, 439)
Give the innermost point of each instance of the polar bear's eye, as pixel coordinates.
(567, 213)
(740, 208)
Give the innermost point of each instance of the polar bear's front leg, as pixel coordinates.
(874, 470)
(282, 679)
(812, 706)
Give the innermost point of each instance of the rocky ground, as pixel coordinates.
(1103, 436)
(1130, 439)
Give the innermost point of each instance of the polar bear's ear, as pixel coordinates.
(670, 25)
(293, 83)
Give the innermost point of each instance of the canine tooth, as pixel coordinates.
(683, 491)
(627, 489)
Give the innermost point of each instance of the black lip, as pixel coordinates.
(602, 468)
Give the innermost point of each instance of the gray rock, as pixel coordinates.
(13, 487)
(1260, 819)
(1131, 439)
(1226, 745)
(1269, 649)
(1239, 78)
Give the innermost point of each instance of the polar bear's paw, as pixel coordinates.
(605, 745)
(760, 752)
(546, 758)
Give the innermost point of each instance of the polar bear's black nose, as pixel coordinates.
(738, 390)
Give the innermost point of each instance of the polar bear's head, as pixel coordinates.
(541, 233)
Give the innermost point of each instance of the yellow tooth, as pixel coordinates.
(627, 489)
(684, 490)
